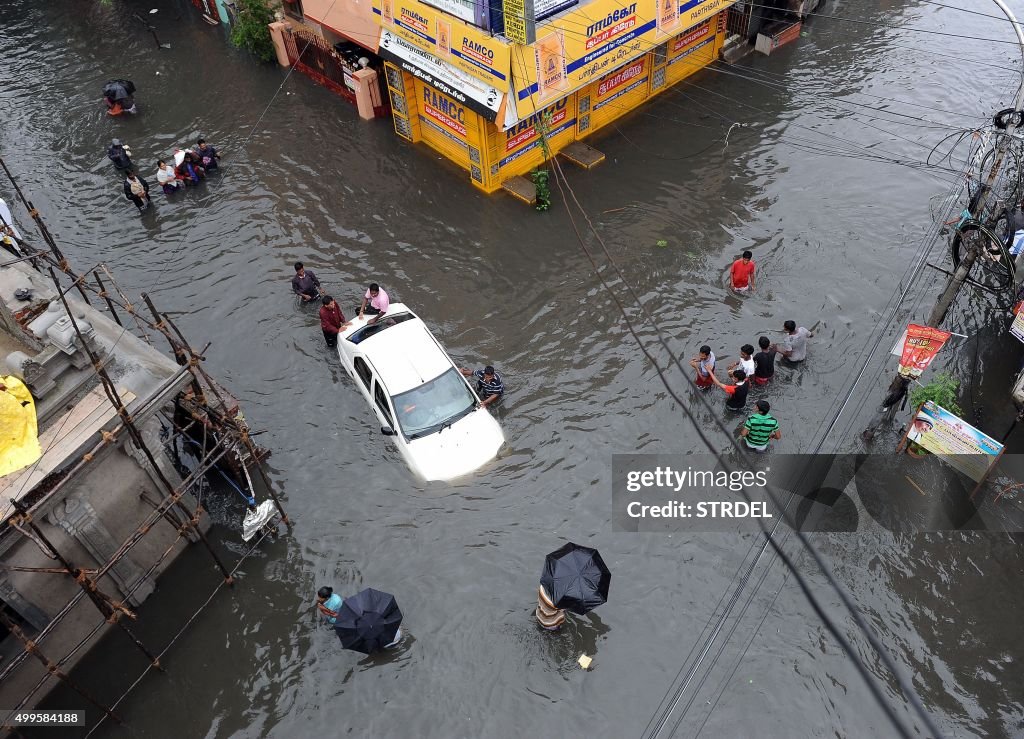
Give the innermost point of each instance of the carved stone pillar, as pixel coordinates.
(81, 523)
(33, 614)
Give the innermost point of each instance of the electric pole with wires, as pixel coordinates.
(897, 393)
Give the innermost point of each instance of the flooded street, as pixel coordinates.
(820, 178)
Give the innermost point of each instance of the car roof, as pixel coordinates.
(405, 356)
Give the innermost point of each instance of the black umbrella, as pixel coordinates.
(118, 90)
(576, 578)
(368, 621)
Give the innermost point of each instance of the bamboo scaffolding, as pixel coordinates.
(222, 422)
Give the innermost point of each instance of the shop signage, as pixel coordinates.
(464, 47)
(920, 346)
(448, 114)
(520, 21)
(549, 55)
(471, 11)
(1017, 327)
(588, 42)
(547, 8)
(429, 69)
(668, 17)
(526, 130)
(696, 34)
(961, 446)
(619, 83)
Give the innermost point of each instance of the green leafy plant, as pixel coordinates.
(540, 179)
(942, 390)
(250, 31)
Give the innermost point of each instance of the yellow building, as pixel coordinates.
(483, 99)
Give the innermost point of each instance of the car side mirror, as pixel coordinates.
(387, 430)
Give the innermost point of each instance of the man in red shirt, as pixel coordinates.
(332, 320)
(742, 273)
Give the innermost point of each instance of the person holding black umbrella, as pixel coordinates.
(548, 616)
(118, 96)
(575, 578)
(369, 621)
(327, 603)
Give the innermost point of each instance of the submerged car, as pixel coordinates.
(420, 397)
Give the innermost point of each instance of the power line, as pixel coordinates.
(927, 245)
(858, 619)
(889, 26)
(188, 226)
(817, 147)
(883, 654)
(1002, 18)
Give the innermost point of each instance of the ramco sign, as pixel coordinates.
(526, 129)
(477, 52)
(442, 77)
(622, 77)
(614, 24)
(414, 21)
(694, 35)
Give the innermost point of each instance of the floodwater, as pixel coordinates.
(807, 180)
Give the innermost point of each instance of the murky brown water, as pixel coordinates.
(502, 284)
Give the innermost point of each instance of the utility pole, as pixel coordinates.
(956, 281)
(899, 387)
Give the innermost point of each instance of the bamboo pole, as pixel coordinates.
(115, 399)
(104, 603)
(51, 667)
(47, 237)
(106, 296)
(194, 362)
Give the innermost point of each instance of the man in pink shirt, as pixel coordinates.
(377, 300)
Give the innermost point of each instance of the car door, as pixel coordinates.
(382, 405)
(364, 378)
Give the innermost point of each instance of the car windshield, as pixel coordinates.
(375, 328)
(434, 405)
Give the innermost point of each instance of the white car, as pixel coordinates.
(419, 395)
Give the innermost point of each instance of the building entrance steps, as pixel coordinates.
(521, 188)
(582, 155)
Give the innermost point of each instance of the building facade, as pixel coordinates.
(498, 87)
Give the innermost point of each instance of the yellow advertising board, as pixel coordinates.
(590, 41)
(518, 150)
(614, 95)
(959, 444)
(453, 41)
(445, 123)
(517, 22)
(692, 50)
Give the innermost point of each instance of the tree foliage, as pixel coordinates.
(250, 31)
(942, 390)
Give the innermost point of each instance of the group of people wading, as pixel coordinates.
(190, 168)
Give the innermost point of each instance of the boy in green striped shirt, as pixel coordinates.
(760, 428)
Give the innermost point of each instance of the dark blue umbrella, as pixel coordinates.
(118, 89)
(368, 621)
(576, 578)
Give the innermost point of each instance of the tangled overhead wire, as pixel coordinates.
(1006, 117)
